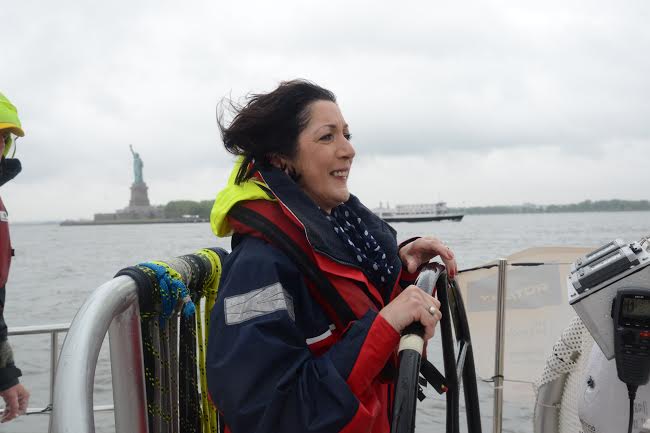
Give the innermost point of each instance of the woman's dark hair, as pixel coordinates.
(269, 124)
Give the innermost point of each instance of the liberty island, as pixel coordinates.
(139, 209)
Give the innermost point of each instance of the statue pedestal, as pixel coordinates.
(139, 208)
(139, 195)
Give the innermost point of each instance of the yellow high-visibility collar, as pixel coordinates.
(252, 189)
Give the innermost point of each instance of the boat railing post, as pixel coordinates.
(129, 395)
(500, 346)
(75, 374)
(54, 346)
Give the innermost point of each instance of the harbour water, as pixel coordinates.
(56, 267)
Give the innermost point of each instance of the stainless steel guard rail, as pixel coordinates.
(54, 331)
(112, 307)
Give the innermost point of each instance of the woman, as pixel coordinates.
(289, 352)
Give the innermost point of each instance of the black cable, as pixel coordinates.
(494, 265)
(631, 393)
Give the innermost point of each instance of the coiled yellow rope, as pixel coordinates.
(208, 413)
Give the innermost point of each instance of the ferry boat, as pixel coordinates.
(416, 213)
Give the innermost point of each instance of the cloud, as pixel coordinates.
(504, 176)
(413, 79)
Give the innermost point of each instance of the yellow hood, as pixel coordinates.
(232, 194)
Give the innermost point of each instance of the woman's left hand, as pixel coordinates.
(421, 250)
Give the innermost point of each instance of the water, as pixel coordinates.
(56, 267)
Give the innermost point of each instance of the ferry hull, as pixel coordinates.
(419, 219)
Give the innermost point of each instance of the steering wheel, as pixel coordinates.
(457, 369)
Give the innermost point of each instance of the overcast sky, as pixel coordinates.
(474, 103)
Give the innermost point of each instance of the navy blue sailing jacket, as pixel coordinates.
(278, 360)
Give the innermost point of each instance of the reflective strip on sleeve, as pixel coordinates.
(258, 303)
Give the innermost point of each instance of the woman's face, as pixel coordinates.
(324, 156)
(4, 135)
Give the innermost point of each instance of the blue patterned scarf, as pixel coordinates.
(370, 256)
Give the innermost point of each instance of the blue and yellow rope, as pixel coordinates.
(160, 305)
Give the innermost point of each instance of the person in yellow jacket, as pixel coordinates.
(12, 392)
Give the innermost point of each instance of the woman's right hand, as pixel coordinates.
(412, 305)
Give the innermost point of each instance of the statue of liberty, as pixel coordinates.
(137, 166)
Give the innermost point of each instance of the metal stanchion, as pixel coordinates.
(54, 353)
(500, 345)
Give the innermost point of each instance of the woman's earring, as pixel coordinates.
(292, 173)
(278, 162)
(286, 168)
